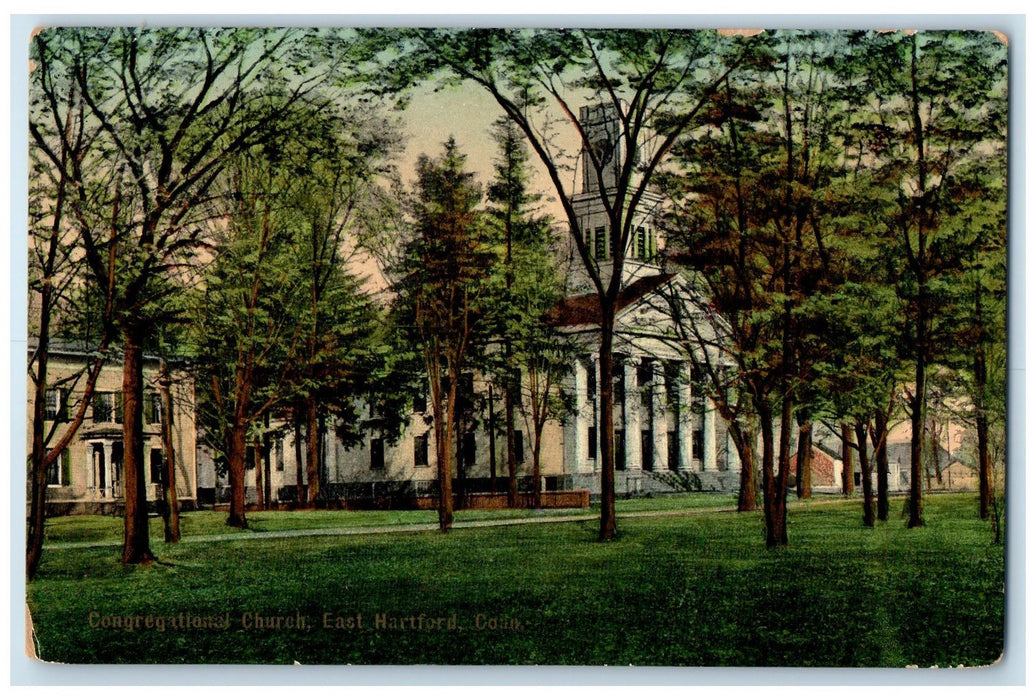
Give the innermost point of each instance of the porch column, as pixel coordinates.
(660, 422)
(631, 420)
(109, 477)
(686, 423)
(709, 436)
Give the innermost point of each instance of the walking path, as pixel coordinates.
(411, 527)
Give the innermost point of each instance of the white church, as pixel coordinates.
(663, 425)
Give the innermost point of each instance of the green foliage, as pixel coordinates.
(938, 598)
(281, 319)
(525, 286)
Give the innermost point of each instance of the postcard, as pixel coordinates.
(676, 347)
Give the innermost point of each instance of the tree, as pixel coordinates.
(651, 83)
(934, 107)
(247, 337)
(525, 293)
(169, 106)
(750, 182)
(62, 144)
(339, 156)
(441, 292)
(303, 334)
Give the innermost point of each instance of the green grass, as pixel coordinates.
(101, 528)
(672, 590)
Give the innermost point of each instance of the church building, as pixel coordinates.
(668, 435)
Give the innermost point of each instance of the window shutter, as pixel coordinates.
(149, 407)
(66, 467)
(118, 407)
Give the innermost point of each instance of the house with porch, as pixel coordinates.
(88, 476)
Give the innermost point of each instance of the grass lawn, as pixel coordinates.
(672, 590)
(101, 528)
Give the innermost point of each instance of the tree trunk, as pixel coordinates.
(312, 451)
(880, 440)
(804, 463)
(744, 443)
(443, 417)
(171, 512)
(985, 468)
(257, 464)
(848, 486)
(783, 470)
(38, 494)
(865, 473)
(934, 440)
(236, 459)
(917, 411)
(607, 427)
(300, 496)
(770, 511)
(136, 546)
(268, 493)
(537, 488)
(458, 430)
(512, 466)
(492, 441)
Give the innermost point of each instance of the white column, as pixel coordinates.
(686, 426)
(89, 462)
(574, 429)
(634, 412)
(660, 426)
(709, 436)
(109, 476)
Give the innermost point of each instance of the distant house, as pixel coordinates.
(958, 476)
(88, 477)
(826, 471)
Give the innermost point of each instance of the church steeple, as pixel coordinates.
(604, 134)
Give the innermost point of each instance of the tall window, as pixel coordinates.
(421, 450)
(469, 449)
(591, 442)
(591, 380)
(153, 407)
(59, 473)
(647, 450)
(619, 375)
(620, 450)
(672, 382)
(157, 477)
(673, 448)
(697, 390)
(377, 454)
(645, 372)
(107, 407)
(519, 447)
(600, 243)
(55, 404)
(698, 444)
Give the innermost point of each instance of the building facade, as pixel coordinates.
(88, 476)
(664, 424)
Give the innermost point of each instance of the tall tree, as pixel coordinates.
(750, 182)
(246, 336)
(650, 83)
(441, 290)
(934, 107)
(62, 302)
(169, 105)
(526, 288)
